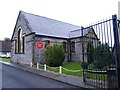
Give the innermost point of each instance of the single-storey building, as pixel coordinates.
(30, 29)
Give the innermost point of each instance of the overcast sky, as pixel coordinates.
(77, 12)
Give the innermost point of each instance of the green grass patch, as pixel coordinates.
(76, 66)
(72, 66)
(6, 59)
(69, 66)
(53, 69)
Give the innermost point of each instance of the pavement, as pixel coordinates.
(69, 79)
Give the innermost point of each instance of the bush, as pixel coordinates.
(54, 55)
(101, 56)
(91, 66)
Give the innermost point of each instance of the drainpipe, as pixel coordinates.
(33, 49)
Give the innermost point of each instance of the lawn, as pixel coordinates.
(69, 66)
(76, 66)
(6, 59)
(72, 66)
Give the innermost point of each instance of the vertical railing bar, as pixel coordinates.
(104, 76)
(82, 32)
(107, 32)
(110, 33)
(95, 79)
(98, 29)
(97, 36)
(104, 79)
(108, 36)
(100, 80)
(91, 77)
(103, 83)
(99, 32)
(104, 32)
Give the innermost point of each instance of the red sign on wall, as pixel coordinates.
(39, 45)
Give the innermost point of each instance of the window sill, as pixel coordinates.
(19, 53)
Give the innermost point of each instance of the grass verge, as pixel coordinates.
(6, 59)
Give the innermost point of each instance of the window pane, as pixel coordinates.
(47, 42)
(73, 47)
(64, 46)
(16, 46)
(20, 41)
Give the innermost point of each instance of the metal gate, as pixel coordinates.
(103, 54)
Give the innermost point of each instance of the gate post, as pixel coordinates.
(117, 48)
(83, 71)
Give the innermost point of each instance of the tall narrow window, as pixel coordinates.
(16, 45)
(20, 41)
(72, 47)
(64, 46)
(23, 44)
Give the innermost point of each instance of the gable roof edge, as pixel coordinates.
(30, 28)
(15, 25)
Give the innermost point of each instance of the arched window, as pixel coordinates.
(20, 41)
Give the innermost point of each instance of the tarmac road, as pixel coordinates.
(16, 78)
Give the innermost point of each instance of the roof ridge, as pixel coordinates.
(49, 18)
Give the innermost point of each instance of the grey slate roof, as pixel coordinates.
(54, 28)
(49, 27)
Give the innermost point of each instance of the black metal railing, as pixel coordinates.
(99, 47)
